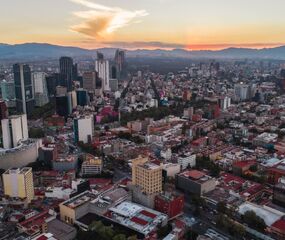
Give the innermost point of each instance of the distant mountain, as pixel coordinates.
(34, 51)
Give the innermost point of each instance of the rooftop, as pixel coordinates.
(79, 200)
(136, 217)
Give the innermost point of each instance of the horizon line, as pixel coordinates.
(188, 47)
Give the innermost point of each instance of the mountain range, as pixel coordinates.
(34, 51)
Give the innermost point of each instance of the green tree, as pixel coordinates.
(132, 237)
(254, 221)
(221, 207)
(36, 133)
(120, 237)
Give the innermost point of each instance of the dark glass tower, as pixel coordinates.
(66, 72)
(23, 89)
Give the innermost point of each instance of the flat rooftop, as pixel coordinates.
(195, 175)
(136, 217)
(79, 200)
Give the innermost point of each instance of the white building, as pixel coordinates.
(171, 169)
(225, 102)
(102, 67)
(187, 160)
(40, 88)
(242, 91)
(83, 128)
(14, 129)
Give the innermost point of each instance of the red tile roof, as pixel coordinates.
(195, 174)
(242, 164)
(148, 214)
(279, 224)
(139, 221)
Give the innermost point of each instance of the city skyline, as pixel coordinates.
(148, 24)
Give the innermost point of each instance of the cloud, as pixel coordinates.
(100, 20)
(232, 45)
(147, 45)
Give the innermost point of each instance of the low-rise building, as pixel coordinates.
(195, 182)
(187, 160)
(143, 220)
(169, 203)
(91, 165)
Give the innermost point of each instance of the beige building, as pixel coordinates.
(146, 175)
(18, 183)
(91, 165)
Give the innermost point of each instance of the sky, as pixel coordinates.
(149, 24)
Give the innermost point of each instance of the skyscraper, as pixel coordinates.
(120, 59)
(14, 129)
(102, 67)
(8, 90)
(66, 72)
(89, 81)
(18, 183)
(40, 88)
(83, 129)
(23, 89)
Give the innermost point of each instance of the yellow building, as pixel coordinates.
(19, 183)
(91, 165)
(146, 175)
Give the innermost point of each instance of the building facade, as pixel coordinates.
(83, 129)
(14, 129)
(23, 89)
(19, 183)
(146, 175)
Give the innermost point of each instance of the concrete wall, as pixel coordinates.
(20, 157)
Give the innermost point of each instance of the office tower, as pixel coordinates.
(66, 72)
(114, 86)
(224, 102)
(242, 91)
(40, 89)
(146, 175)
(83, 127)
(114, 72)
(102, 67)
(89, 81)
(75, 72)
(8, 90)
(14, 129)
(18, 183)
(120, 60)
(23, 89)
(82, 97)
(282, 73)
(3, 110)
(52, 81)
(72, 97)
(62, 105)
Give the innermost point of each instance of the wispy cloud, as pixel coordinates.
(100, 20)
(143, 45)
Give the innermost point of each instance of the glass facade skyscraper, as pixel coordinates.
(23, 89)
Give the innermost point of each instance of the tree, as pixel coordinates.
(120, 237)
(36, 133)
(221, 207)
(254, 221)
(163, 231)
(132, 237)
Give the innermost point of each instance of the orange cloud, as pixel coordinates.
(101, 20)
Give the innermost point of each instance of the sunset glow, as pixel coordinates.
(149, 24)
